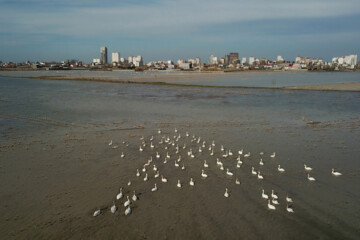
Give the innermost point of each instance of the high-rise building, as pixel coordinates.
(243, 60)
(279, 59)
(115, 56)
(231, 58)
(251, 60)
(103, 55)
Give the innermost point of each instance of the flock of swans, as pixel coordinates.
(150, 167)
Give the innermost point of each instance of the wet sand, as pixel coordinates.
(56, 167)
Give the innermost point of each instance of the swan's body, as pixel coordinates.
(280, 169)
(134, 197)
(247, 155)
(183, 167)
(289, 199)
(110, 143)
(203, 174)
(226, 194)
(237, 182)
(273, 155)
(311, 179)
(241, 151)
(335, 173)
(122, 155)
(274, 201)
(137, 173)
(271, 207)
(273, 195)
(157, 174)
(307, 168)
(228, 172)
(113, 208)
(129, 182)
(178, 184)
(289, 209)
(146, 177)
(259, 176)
(176, 164)
(119, 195)
(261, 162)
(97, 213)
(264, 195)
(127, 203)
(164, 180)
(155, 168)
(205, 164)
(154, 188)
(128, 211)
(157, 155)
(192, 183)
(253, 172)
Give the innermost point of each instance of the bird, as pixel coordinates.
(134, 197)
(157, 174)
(154, 188)
(274, 201)
(137, 173)
(141, 149)
(176, 164)
(175, 130)
(152, 145)
(212, 152)
(253, 172)
(129, 182)
(289, 209)
(155, 168)
(238, 165)
(146, 177)
(241, 151)
(259, 176)
(307, 168)
(183, 167)
(226, 194)
(97, 213)
(280, 169)
(230, 153)
(127, 210)
(178, 184)
(264, 195)
(273, 195)
(159, 131)
(164, 180)
(247, 155)
(113, 208)
(289, 199)
(228, 172)
(157, 155)
(205, 164)
(119, 195)
(237, 181)
(122, 155)
(203, 174)
(144, 168)
(271, 207)
(261, 162)
(311, 179)
(273, 155)
(127, 203)
(192, 183)
(335, 173)
(261, 153)
(222, 148)
(110, 143)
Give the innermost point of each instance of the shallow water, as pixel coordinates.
(56, 166)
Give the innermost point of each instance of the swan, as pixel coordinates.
(122, 155)
(137, 173)
(222, 167)
(141, 149)
(289, 199)
(239, 162)
(119, 195)
(241, 151)
(225, 155)
(280, 169)
(192, 183)
(189, 152)
(154, 188)
(192, 156)
(311, 179)
(110, 143)
(253, 172)
(179, 159)
(237, 181)
(134, 197)
(205, 164)
(273, 195)
(157, 174)
(261, 162)
(146, 177)
(271, 207)
(307, 168)
(178, 184)
(164, 180)
(187, 134)
(226, 194)
(222, 148)
(230, 153)
(238, 165)
(210, 148)
(127, 211)
(261, 153)
(97, 213)
(218, 162)
(213, 143)
(165, 160)
(200, 150)
(274, 201)
(151, 145)
(289, 209)
(167, 155)
(159, 131)
(273, 155)
(157, 155)
(247, 155)
(129, 182)
(175, 130)
(203, 174)
(212, 153)
(184, 146)
(183, 167)
(127, 203)
(155, 168)
(176, 164)
(144, 168)
(259, 176)
(238, 158)
(335, 173)
(228, 172)
(264, 195)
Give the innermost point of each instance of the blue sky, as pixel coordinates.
(177, 29)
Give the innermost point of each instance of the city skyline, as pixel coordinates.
(38, 30)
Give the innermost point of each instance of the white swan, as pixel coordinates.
(213, 143)
(167, 155)
(176, 164)
(164, 180)
(152, 145)
(273, 155)
(247, 155)
(241, 151)
(271, 207)
(289, 209)
(192, 183)
(230, 153)
(146, 177)
(203, 174)
(137, 173)
(178, 184)
(261, 162)
(261, 153)
(159, 131)
(237, 182)
(222, 148)
(222, 167)
(122, 155)
(97, 213)
(264, 195)
(205, 164)
(157, 174)
(200, 150)
(183, 167)
(113, 208)
(212, 152)
(253, 172)
(141, 149)
(129, 182)
(154, 188)
(274, 201)
(119, 195)
(307, 168)
(280, 169)
(238, 165)
(335, 173)
(175, 130)
(218, 162)
(179, 159)
(289, 199)
(127, 210)
(311, 179)
(165, 160)
(226, 194)
(157, 155)
(155, 168)
(259, 176)
(238, 158)
(134, 197)
(228, 172)
(127, 203)
(187, 134)
(110, 143)
(273, 195)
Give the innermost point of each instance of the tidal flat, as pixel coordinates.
(57, 167)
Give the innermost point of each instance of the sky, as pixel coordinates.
(49, 30)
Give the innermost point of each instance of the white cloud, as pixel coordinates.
(165, 18)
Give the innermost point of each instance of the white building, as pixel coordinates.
(350, 60)
(122, 60)
(96, 61)
(279, 59)
(251, 60)
(187, 65)
(213, 60)
(243, 60)
(115, 56)
(137, 61)
(130, 59)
